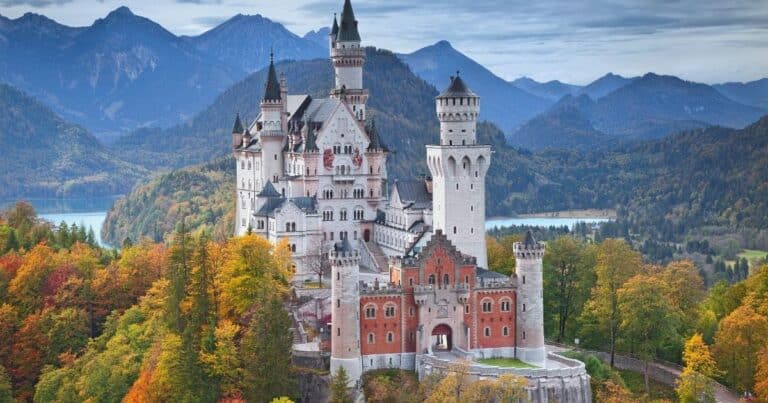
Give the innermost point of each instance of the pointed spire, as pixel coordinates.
(269, 191)
(335, 26)
(529, 241)
(238, 128)
(348, 29)
(272, 88)
(376, 143)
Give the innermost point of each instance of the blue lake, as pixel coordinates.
(542, 221)
(89, 212)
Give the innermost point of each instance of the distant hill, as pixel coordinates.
(652, 106)
(121, 72)
(754, 93)
(45, 156)
(552, 90)
(503, 103)
(604, 85)
(245, 42)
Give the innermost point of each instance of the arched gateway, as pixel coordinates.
(442, 338)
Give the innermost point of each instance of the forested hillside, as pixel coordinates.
(45, 156)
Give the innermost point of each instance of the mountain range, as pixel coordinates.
(45, 156)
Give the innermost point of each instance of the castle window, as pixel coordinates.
(371, 338)
(446, 280)
(457, 186)
(454, 230)
(466, 309)
(487, 305)
(523, 335)
(410, 282)
(343, 215)
(370, 311)
(431, 279)
(466, 279)
(471, 208)
(389, 311)
(487, 332)
(505, 331)
(275, 157)
(410, 311)
(523, 307)
(338, 276)
(359, 213)
(390, 339)
(338, 303)
(412, 336)
(338, 331)
(505, 305)
(261, 224)
(293, 248)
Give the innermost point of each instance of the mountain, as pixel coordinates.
(123, 71)
(319, 37)
(45, 156)
(552, 90)
(754, 93)
(246, 41)
(502, 103)
(402, 104)
(652, 106)
(604, 85)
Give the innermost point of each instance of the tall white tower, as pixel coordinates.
(530, 299)
(272, 128)
(348, 59)
(345, 315)
(458, 166)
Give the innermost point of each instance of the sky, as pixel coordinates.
(574, 41)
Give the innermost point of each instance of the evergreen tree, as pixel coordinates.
(127, 242)
(63, 237)
(12, 243)
(202, 320)
(178, 274)
(339, 392)
(82, 236)
(266, 353)
(91, 237)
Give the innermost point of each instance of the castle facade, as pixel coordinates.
(313, 171)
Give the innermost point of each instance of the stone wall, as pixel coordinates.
(312, 386)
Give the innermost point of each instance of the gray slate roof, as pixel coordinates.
(305, 204)
(457, 89)
(413, 193)
(238, 128)
(489, 274)
(348, 29)
(269, 191)
(272, 88)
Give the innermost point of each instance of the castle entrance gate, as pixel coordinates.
(441, 338)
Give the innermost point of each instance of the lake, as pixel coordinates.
(542, 221)
(89, 212)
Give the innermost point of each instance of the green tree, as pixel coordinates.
(649, 321)
(6, 391)
(266, 353)
(339, 387)
(178, 275)
(567, 280)
(616, 263)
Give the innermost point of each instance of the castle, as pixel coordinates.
(409, 277)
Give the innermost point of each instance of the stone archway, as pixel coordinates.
(442, 338)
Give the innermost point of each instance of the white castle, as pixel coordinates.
(408, 264)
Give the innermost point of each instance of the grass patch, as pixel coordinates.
(636, 384)
(506, 362)
(753, 255)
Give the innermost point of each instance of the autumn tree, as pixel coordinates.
(695, 384)
(648, 320)
(616, 263)
(568, 268)
(224, 363)
(24, 289)
(6, 391)
(501, 255)
(739, 337)
(339, 383)
(761, 376)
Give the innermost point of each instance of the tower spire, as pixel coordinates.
(348, 29)
(335, 26)
(272, 88)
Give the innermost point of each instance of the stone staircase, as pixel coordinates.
(378, 256)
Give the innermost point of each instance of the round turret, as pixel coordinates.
(457, 109)
(345, 322)
(530, 300)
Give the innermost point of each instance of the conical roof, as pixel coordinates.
(348, 29)
(529, 240)
(373, 134)
(335, 26)
(238, 128)
(457, 89)
(272, 88)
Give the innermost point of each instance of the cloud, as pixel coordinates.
(209, 22)
(199, 1)
(33, 3)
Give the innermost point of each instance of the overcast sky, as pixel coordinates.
(571, 40)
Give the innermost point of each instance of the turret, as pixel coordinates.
(333, 34)
(348, 59)
(272, 135)
(458, 166)
(457, 110)
(237, 133)
(530, 301)
(345, 319)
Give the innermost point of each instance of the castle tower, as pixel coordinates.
(348, 59)
(272, 130)
(345, 315)
(458, 166)
(530, 300)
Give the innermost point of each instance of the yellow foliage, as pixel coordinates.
(739, 337)
(761, 376)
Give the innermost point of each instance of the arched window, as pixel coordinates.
(505, 305)
(371, 338)
(389, 310)
(505, 331)
(370, 311)
(390, 338)
(487, 332)
(446, 279)
(432, 279)
(487, 305)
